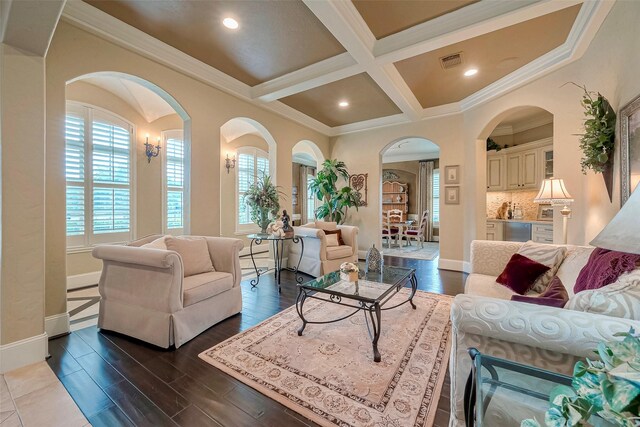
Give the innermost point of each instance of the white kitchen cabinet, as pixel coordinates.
(496, 172)
(522, 170)
(546, 162)
(542, 233)
(495, 230)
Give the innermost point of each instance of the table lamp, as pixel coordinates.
(553, 192)
(621, 234)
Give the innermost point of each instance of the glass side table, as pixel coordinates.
(501, 392)
(277, 244)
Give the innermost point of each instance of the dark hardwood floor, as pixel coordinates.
(117, 380)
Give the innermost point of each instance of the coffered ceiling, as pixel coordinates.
(300, 58)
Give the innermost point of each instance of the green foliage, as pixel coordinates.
(263, 199)
(492, 145)
(597, 141)
(335, 202)
(609, 387)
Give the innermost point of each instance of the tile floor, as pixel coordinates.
(33, 396)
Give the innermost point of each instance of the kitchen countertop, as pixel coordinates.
(526, 221)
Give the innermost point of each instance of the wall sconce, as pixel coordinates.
(230, 163)
(150, 150)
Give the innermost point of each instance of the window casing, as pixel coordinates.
(435, 208)
(251, 164)
(175, 183)
(311, 198)
(99, 176)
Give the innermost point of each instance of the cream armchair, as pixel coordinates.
(547, 337)
(318, 258)
(145, 295)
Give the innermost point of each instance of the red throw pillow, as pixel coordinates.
(603, 268)
(554, 296)
(520, 273)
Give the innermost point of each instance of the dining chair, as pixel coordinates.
(417, 233)
(389, 231)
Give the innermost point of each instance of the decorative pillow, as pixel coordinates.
(619, 299)
(336, 232)
(332, 240)
(159, 243)
(604, 267)
(548, 255)
(325, 225)
(520, 273)
(554, 296)
(194, 252)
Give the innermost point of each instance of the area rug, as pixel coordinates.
(430, 251)
(328, 374)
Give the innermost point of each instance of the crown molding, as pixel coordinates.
(109, 28)
(370, 124)
(410, 157)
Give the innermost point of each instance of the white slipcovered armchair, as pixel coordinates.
(145, 295)
(318, 258)
(547, 337)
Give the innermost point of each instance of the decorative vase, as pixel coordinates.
(264, 221)
(374, 260)
(607, 175)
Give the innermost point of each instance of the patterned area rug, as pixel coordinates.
(430, 251)
(328, 374)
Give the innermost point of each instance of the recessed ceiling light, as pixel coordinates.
(471, 72)
(343, 104)
(230, 23)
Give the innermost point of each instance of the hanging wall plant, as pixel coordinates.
(598, 140)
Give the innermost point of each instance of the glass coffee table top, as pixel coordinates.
(332, 283)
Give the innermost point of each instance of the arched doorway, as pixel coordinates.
(410, 191)
(114, 193)
(307, 158)
(517, 149)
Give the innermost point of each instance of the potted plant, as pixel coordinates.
(335, 202)
(609, 387)
(598, 140)
(263, 200)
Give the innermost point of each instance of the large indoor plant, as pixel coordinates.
(335, 201)
(263, 199)
(598, 140)
(609, 387)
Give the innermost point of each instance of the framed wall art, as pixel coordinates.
(629, 148)
(452, 174)
(358, 182)
(452, 195)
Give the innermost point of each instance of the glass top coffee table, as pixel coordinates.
(369, 294)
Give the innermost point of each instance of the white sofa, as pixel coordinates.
(547, 337)
(318, 258)
(145, 295)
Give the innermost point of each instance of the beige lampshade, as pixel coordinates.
(623, 232)
(552, 191)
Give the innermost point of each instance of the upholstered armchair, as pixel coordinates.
(321, 256)
(145, 295)
(547, 337)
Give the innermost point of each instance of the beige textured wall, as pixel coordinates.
(530, 135)
(22, 119)
(75, 53)
(228, 185)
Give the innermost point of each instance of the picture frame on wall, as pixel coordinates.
(452, 195)
(452, 174)
(629, 135)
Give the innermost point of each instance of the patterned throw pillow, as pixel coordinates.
(619, 299)
(554, 296)
(520, 273)
(548, 255)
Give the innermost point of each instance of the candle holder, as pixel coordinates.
(150, 150)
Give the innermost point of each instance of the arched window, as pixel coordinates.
(175, 174)
(252, 163)
(98, 169)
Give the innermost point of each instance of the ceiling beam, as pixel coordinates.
(345, 23)
(28, 25)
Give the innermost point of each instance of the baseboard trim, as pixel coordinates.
(22, 353)
(454, 265)
(57, 325)
(362, 254)
(83, 280)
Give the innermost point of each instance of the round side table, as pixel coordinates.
(277, 244)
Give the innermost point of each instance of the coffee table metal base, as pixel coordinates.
(372, 311)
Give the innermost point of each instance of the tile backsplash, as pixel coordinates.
(521, 198)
